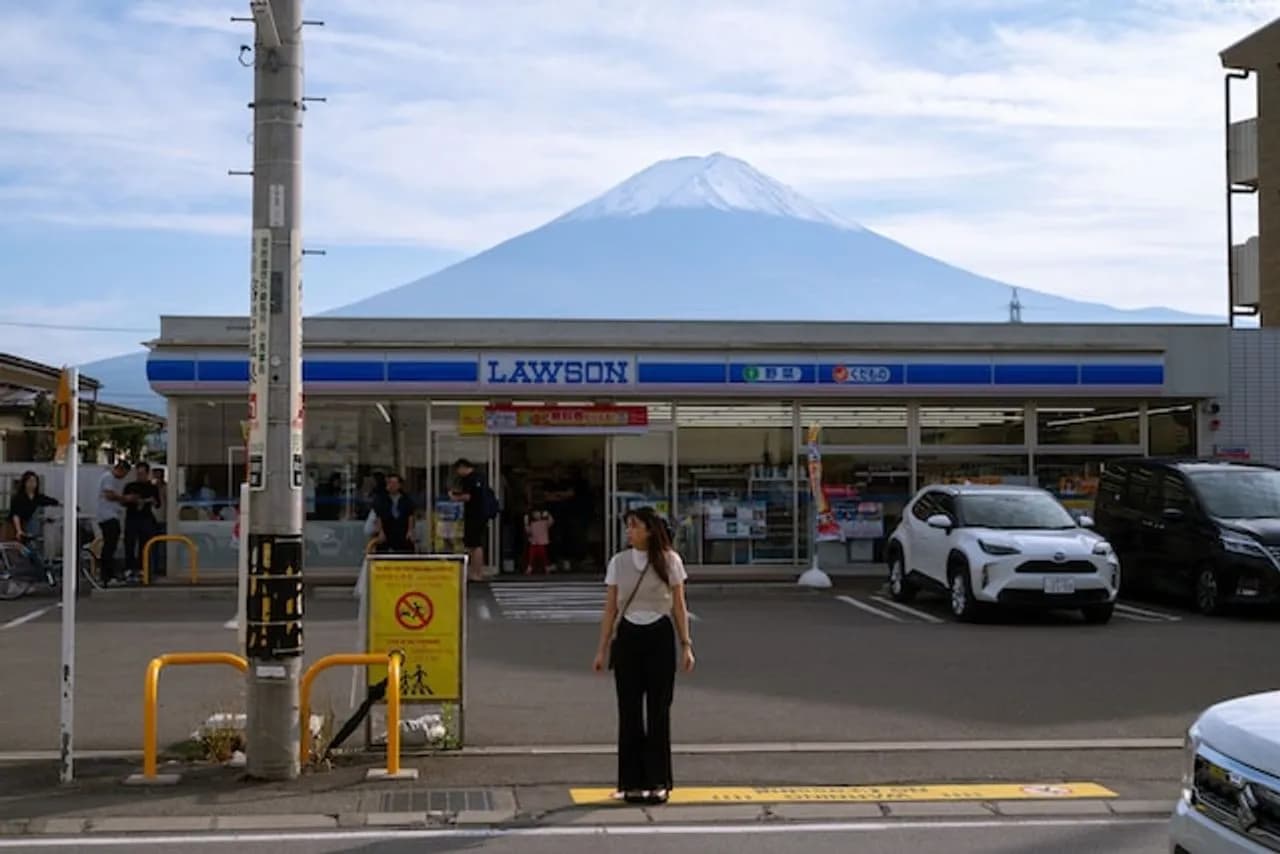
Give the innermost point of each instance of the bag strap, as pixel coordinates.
(634, 590)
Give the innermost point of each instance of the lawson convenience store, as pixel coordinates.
(705, 420)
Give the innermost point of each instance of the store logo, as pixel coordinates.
(861, 374)
(773, 374)
(558, 372)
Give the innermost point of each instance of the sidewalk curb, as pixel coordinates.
(505, 815)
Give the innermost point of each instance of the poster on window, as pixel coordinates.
(735, 520)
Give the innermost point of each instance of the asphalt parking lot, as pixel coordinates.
(775, 664)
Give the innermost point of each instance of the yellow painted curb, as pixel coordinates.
(861, 794)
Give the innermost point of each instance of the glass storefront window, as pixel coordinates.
(858, 425)
(994, 424)
(866, 494)
(1171, 430)
(735, 483)
(1073, 479)
(350, 448)
(990, 469)
(1088, 424)
(211, 467)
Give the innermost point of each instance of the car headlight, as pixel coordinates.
(1190, 744)
(1242, 546)
(997, 548)
(1103, 548)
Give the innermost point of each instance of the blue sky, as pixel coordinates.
(1074, 147)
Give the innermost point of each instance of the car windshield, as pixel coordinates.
(1239, 494)
(1014, 511)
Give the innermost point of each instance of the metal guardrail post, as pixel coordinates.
(150, 699)
(193, 556)
(393, 771)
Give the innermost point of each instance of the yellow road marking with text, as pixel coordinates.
(861, 794)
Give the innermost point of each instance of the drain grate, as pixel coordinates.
(450, 801)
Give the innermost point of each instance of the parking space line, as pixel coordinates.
(26, 618)
(1158, 616)
(928, 618)
(870, 609)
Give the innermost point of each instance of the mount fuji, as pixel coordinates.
(712, 238)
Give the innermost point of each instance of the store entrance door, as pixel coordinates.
(563, 475)
(640, 475)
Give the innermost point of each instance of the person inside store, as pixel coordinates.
(396, 518)
(471, 491)
(638, 641)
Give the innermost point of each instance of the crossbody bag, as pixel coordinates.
(613, 640)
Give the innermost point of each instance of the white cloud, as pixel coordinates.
(1068, 146)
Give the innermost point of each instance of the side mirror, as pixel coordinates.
(1085, 520)
(939, 520)
(1173, 514)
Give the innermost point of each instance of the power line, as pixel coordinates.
(69, 328)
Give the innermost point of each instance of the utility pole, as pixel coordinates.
(273, 607)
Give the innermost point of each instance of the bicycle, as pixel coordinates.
(23, 570)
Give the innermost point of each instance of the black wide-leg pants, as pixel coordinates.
(644, 672)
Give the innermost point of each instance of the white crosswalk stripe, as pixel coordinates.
(551, 601)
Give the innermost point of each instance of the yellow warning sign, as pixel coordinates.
(862, 794)
(415, 606)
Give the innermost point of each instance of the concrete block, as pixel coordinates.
(495, 816)
(939, 809)
(60, 826)
(676, 813)
(158, 780)
(1161, 808)
(1052, 808)
(276, 822)
(810, 812)
(151, 824)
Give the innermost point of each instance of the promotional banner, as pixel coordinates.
(533, 420)
(828, 529)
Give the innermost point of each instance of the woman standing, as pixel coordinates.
(638, 641)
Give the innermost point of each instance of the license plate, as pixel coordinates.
(1059, 585)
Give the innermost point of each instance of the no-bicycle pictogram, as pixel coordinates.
(414, 611)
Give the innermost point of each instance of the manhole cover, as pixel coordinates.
(435, 800)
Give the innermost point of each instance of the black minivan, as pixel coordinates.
(1206, 530)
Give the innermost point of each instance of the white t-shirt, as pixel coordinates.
(634, 560)
(106, 509)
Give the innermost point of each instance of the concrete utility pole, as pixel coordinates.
(273, 638)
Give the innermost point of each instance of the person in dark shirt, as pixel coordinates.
(396, 519)
(475, 522)
(24, 507)
(140, 496)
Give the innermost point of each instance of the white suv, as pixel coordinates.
(1007, 545)
(1231, 780)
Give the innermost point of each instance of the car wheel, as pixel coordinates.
(900, 588)
(1208, 598)
(963, 606)
(1099, 615)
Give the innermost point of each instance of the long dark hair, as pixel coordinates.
(21, 487)
(659, 539)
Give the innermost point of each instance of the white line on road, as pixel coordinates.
(26, 618)
(1137, 618)
(849, 600)
(1144, 612)
(955, 746)
(563, 831)
(928, 618)
(483, 611)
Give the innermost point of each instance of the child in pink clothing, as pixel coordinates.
(537, 525)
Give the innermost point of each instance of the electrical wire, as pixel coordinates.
(22, 324)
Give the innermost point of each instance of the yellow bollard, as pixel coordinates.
(393, 771)
(150, 700)
(193, 556)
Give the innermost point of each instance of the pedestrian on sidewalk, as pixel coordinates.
(638, 642)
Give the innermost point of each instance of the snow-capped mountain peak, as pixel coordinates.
(716, 181)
